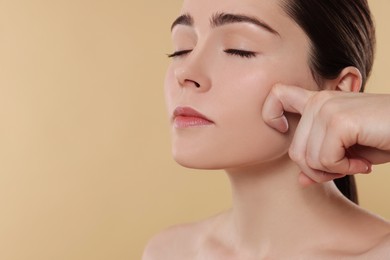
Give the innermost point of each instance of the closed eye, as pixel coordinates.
(179, 53)
(241, 53)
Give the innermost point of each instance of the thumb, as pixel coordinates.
(284, 98)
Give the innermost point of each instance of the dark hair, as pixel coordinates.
(341, 34)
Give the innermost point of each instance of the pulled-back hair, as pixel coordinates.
(341, 34)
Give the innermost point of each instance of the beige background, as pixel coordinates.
(85, 165)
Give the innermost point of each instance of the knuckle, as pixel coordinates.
(277, 90)
(325, 161)
(328, 110)
(336, 117)
(298, 158)
(294, 155)
(337, 120)
(312, 161)
(321, 97)
(325, 95)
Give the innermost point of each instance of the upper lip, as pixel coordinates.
(190, 112)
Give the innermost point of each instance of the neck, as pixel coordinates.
(271, 209)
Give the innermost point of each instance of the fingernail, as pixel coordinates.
(285, 124)
(368, 168)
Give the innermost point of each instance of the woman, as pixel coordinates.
(220, 97)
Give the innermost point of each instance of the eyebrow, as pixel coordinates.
(220, 19)
(184, 19)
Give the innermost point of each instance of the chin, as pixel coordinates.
(238, 148)
(190, 159)
(227, 160)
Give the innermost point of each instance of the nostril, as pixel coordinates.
(191, 82)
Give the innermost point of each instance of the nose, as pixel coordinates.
(194, 72)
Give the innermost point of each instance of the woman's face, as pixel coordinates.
(227, 56)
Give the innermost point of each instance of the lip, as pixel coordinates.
(184, 117)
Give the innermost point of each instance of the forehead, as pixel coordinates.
(205, 8)
(269, 11)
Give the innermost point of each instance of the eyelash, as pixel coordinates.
(179, 53)
(241, 53)
(235, 52)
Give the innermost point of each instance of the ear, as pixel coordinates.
(349, 80)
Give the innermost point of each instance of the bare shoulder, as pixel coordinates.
(367, 236)
(382, 249)
(170, 243)
(177, 242)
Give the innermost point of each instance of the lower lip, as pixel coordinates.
(189, 121)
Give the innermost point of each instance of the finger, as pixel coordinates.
(310, 176)
(297, 151)
(314, 175)
(334, 157)
(314, 143)
(284, 98)
(304, 180)
(371, 155)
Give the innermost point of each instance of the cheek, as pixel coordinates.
(169, 82)
(240, 136)
(248, 140)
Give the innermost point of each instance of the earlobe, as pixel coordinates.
(349, 80)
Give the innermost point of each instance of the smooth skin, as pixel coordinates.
(273, 216)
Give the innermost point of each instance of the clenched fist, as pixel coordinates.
(339, 133)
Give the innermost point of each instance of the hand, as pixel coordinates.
(339, 133)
